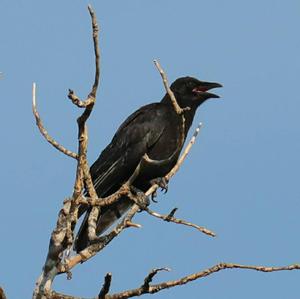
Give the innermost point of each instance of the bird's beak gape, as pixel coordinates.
(204, 87)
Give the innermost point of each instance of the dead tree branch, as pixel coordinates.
(177, 108)
(170, 218)
(147, 288)
(90, 100)
(105, 288)
(184, 280)
(62, 237)
(148, 279)
(44, 131)
(185, 152)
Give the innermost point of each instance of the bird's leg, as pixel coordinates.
(140, 198)
(162, 182)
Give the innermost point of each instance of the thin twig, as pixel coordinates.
(44, 131)
(79, 103)
(185, 153)
(170, 218)
(92, 95)
(105, 288)
(106, 201)
(133, 224)
(177, 108)
(171, 214)
(96, 50)
(148, 279)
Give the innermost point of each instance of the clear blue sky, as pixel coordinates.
(241, 178)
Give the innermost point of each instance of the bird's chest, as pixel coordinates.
(170, 141)
(165, 151)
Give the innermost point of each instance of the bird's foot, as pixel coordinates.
(162, 182)
(140, 198)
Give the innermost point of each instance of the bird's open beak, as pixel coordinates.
(204, 87)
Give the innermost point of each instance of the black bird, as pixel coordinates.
(156, 130)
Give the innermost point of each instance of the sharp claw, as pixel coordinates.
(162, 183)
(153, 195)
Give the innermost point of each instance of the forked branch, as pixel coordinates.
(147, 288)
(90, 100)
(170, 218)
(62, 236)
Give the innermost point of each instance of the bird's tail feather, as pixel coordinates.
(107, 217)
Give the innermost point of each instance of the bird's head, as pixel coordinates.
(191, 92)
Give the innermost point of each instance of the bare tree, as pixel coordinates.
(60, 258)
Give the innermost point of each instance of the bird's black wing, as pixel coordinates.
(134, 138)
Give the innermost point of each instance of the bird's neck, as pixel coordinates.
(188, 114)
